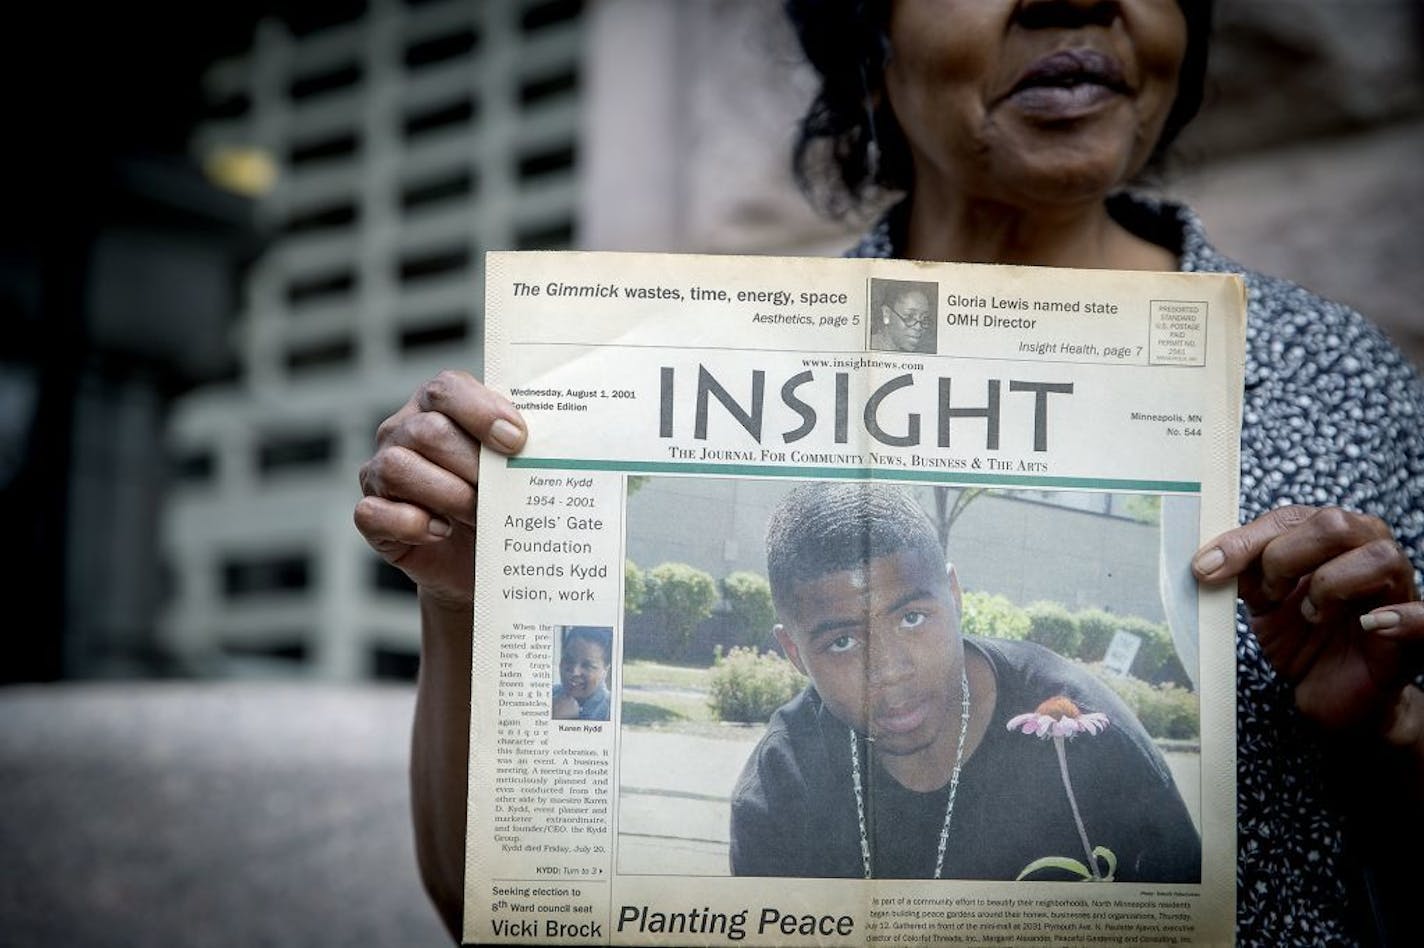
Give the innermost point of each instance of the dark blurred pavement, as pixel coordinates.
(146, 814)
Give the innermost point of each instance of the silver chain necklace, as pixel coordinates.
(953, 783)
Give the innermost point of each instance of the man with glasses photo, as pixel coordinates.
(902, 315)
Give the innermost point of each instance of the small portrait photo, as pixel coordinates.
(583, 655)
(903, 315)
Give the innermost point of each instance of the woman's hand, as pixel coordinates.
(1404, 720)
(1310, 577)
(418, 511)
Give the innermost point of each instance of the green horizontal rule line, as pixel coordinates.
(853, 473)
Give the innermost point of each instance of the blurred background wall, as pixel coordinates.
(228, 258)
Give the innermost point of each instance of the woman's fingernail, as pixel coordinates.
(1210, 561)
(505, 434)
(1308, 611)
(438, 527)
(1375, 621)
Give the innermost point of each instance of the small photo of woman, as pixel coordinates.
(902, 315)
(584, 654)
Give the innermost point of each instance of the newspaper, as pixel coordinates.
(1070, 437)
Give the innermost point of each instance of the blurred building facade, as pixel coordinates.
(406, 140)
(410, 137)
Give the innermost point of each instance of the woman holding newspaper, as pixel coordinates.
(1012, 128)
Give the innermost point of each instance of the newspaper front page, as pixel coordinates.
(847, 602)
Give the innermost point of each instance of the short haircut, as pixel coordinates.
(600, 635)
(830, 526)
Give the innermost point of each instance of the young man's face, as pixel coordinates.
(881, 645)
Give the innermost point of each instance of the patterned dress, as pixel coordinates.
(1333, 415)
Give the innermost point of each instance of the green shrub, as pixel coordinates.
(1097, 629)
(1166, 710)
(1156, 659)
(1176, 712)
(1156, 643)
(748, 599)
(635, 588)
(991, 616)
(1052, 626)
(1173, 672)
(680, 596)
(748, 685)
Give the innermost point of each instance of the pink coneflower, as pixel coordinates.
(1058, 717)
(1061, 719)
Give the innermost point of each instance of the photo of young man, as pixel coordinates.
(917, 752)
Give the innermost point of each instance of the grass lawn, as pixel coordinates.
(663, 709)
(645, 674)
(674, 695)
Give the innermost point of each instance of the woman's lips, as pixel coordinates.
(1068, 83)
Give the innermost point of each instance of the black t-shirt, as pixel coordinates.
(794, 811)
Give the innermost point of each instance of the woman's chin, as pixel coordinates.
(1064, 164)
(1064, 177)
